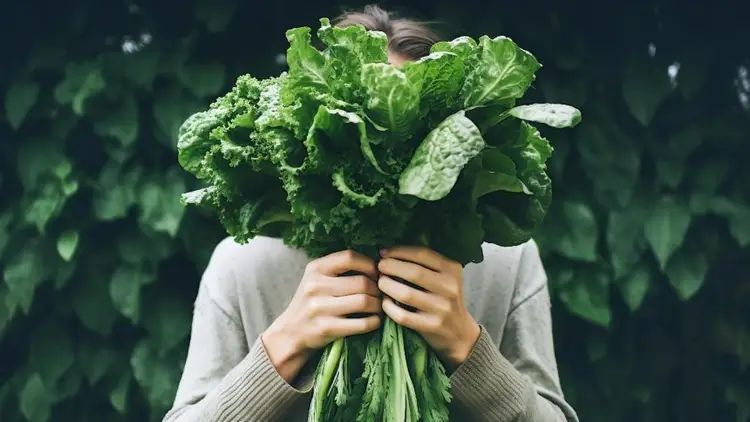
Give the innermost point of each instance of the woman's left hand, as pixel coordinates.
(441, 316)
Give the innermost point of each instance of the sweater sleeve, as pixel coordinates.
(224, 380)
(517, 381)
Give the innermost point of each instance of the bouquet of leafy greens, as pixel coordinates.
(346, 151)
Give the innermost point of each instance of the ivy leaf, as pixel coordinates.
(94, 360)
(116, 191)
(625, 236)
(140, 67)
(36, 158)
(46, 204)
(123, 123)
(586, 295)
(67, 386)
(21, 96)
(24, 273)
(6, 312)
(136, 247)
(686, 272)
(67, 244)
(125, 289)
(5, 219)
(157, 377)
(666, 228)
(170, 110)
(611, 161)
(119, 395)
(51, 352)
(167, 321)
(91, 302)
(739, 395)
(64, 273)
(737, 215)
(670, 171)
(34, 400)
(160, 204)
(671, 161)
(203, 79)
(710, 175)
(217, 16)
(634, 287)
(82, 81)
(645, 86)
(578, 241)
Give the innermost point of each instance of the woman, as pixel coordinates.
(263, 310)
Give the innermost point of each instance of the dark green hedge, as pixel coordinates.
(646, 244)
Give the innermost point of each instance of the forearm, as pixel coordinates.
(488, 387)
(252, 391)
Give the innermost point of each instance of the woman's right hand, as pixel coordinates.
(317, 314)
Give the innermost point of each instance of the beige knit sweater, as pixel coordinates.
(511, 375)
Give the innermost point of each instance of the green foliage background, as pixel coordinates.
(646, 244)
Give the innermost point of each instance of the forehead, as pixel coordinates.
(396, 59)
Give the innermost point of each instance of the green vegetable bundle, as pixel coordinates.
(345, 151)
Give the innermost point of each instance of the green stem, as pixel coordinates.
(411, 412)
(420, 358)
(323, 381)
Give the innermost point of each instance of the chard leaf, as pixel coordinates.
(305, 62)
(555, 115)
(498, 173)
(510, 218)
(502, 71)
(438, 78)
(392, 101)
(367, 46)
(439, 159)
(347, 50)
(463, 47)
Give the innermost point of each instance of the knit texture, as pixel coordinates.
(510, 376)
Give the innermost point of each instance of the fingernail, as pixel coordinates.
(383, 252)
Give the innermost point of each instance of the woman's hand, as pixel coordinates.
(317, 315)
(441, 316)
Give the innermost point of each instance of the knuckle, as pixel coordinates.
(362, 283)
(311, 288)
(315, 307)
(423, 255)
(349, 255)
(383, 265)
(313, 267)
(401, 317)
(435, 325)
(325, 329)
(364, 325)
(362, 301)
(407, 296)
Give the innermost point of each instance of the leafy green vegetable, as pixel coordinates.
(346, 151)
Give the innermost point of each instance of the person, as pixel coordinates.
(263, 310)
